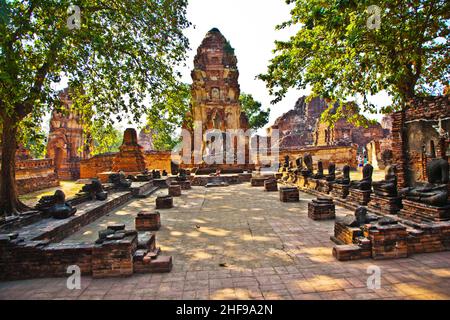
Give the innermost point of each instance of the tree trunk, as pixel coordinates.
(9, 201)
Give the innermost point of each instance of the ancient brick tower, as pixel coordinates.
(130, 158)
(215, 90)
(66, 143)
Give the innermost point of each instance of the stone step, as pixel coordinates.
(147, 193)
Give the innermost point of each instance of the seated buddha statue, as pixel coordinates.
(95, 189)
(119, 180)
(285, 165)
(345, 178)
(319, 174)
(331, 176)
(308, 171)
(366, 183)
(388, 186)
(435, 192)
(56, 206)
(182, 175)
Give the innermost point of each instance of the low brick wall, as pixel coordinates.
(35, 174)
(154, 160)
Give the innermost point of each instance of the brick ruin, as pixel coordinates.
(131, 159)
(215, 101)
(66, 142)
(33, 174)
(386, 225)
(301, 127)
(416, 137)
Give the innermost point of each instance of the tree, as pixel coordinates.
(104, 137)
(257, 117)
(114, 54)
(345, 49)
(167, 115)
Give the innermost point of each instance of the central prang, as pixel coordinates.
(215, 109)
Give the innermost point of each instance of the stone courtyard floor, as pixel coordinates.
(240, 242)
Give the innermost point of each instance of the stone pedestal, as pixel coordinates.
(321, 209)
(245, 177)
(388, 241)
(340, 190)
(175, 190)
(148, 221)
(164, 202)
(385, 205)
(113, 257)
(289, 194)
(360, 197)
(258, 181)
(185, 185)
(271, 185)
(421, 212)
(324, 186)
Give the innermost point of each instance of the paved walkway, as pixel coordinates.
(240, 242)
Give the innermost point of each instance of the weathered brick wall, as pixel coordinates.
(90, 168)
(412, 133)
(158, 160)
(34, 175)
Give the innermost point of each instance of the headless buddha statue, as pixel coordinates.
(366, 183)
(435, 192)
(345, 178)
(119, 180)
(56, 206)
(319, 174)
(308, 171)
(95, 189)
(387, 187)
(331, 176)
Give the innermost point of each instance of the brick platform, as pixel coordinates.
(340, 191)
(388, 241)
(359, 197)
(175, 190)
(148, 221)
(419, 212)
(245, 177)
(164, 202)
(185, 185)
(289, 194)
(271, 185)
(321, 209)
(384, 205)
(258, 181)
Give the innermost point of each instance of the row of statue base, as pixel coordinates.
(383, 196)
